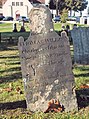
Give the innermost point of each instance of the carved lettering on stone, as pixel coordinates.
(46, 65)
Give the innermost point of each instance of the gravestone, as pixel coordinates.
(46, 64)
(80, 38)
(14, 27)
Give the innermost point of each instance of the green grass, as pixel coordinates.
(10, 75)
(81, 75)
(10, 72)
(24, 114)
(8, 27)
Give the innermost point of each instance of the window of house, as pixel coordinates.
(21, 3)
(17, 3)
(13, 3)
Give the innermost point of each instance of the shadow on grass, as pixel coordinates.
(12, 77)
(14, 63)
(82, 99)
(13, 105)
(11, 69)
(4, 57)
(82, 75)
(6, 46)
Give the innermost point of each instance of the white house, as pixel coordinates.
(16, 8)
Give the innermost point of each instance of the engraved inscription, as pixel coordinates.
(51, 55)
(43, 41)
(41, 49)
(46, 60)
(46, 63)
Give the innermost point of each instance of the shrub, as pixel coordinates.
(64, 15)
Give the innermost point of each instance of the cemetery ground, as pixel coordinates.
(8, 27)
(12, 97)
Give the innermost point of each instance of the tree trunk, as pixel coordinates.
(56, 7)
(70, 12)
(74, 14)
(80, 13)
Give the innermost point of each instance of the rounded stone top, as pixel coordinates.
(40, 20)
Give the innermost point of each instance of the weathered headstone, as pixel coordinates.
(22, 29)
(46, 64)
(80, 38)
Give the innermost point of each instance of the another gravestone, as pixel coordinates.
(14, 27)
(80, 38)
(46, 64)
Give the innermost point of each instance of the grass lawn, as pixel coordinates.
(8, 27)
(12, 97)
